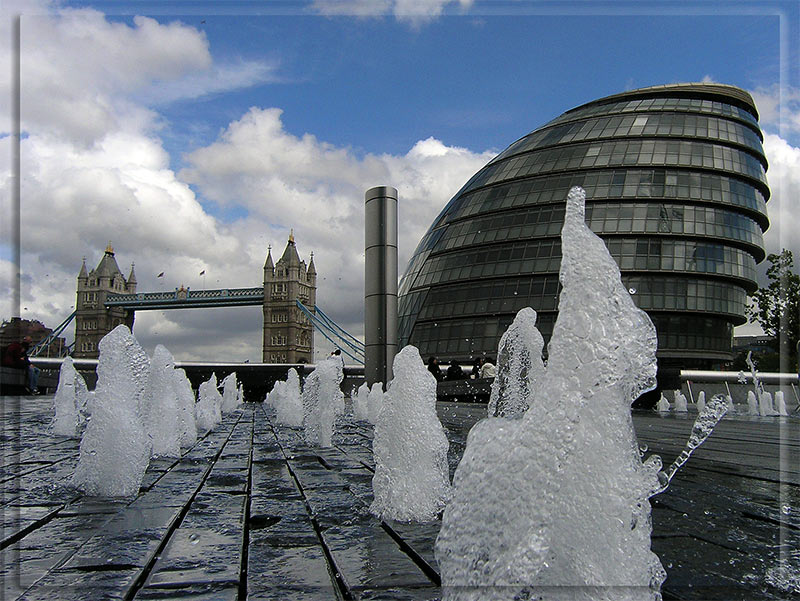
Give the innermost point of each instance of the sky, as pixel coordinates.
(193, 135)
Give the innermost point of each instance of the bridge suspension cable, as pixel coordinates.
(48, 340)
(329, 328)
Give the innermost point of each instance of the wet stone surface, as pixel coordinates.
(252, 512)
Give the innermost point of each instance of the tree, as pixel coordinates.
(776, 307)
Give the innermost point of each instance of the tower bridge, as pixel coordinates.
(185, 298)
(106, 299)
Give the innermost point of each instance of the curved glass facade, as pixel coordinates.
(675, 180)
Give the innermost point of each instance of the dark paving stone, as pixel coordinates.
(295, 593)
(210, 591)
(77, 585)
(400, 594)
(130, 538)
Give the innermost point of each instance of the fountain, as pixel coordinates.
(115, 448)
(765, 405)
(230, 393)
(752, 403)
(554, 504)
(519, 366)
(160, 408)
(360, 399)
(286, 400)
(375, 402)
(780, 403)
(187, 424)
(70, 401)
(681, 406)
(411, 481)
(321, 396)
(701, 401)
(207, 411)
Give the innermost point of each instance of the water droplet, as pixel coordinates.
(786, 509)
(193, 538)
(92, 452)
(686, 515)
(632, 290)
(109, 559)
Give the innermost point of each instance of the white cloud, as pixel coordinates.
(300, 182)
(414, 12)
(784, 183)
(778, 109)
(82, 75)
(94, 170)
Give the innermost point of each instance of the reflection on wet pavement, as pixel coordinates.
(252, 512)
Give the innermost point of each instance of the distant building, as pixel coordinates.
(93, 320)
(17, 328)
(757, 344)
(675, 180)
(288, 333)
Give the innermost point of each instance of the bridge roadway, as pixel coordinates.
(251, 512)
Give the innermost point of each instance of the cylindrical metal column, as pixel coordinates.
(380, 283)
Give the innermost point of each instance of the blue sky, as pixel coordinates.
(193, 135)
(379, 84)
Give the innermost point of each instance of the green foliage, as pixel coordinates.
(776, 307)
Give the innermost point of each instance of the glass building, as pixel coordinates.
(676, 187)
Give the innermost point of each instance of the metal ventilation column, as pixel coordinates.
(380, 283)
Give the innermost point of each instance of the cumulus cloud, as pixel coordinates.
(784, 182)
(778, 108)
(779, 117)
(415, 12)
(286, 181)
(94, 170)
(82, 75)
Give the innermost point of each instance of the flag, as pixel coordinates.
(203, 272)
(160, 275)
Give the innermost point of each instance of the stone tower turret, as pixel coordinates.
(288, 334)
(92, 319)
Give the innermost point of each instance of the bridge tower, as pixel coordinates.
(93, 320)
(288, 334)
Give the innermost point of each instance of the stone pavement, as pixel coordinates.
(251, 512)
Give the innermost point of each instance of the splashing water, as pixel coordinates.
(207, 411)
(519, 366)
(411, 481)
(705, 423)
(321, 398)
(230, 393)
(286, 400)
(160, 408)
(554, 504)
(115, 448)
(70, 401)
(360, 400)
